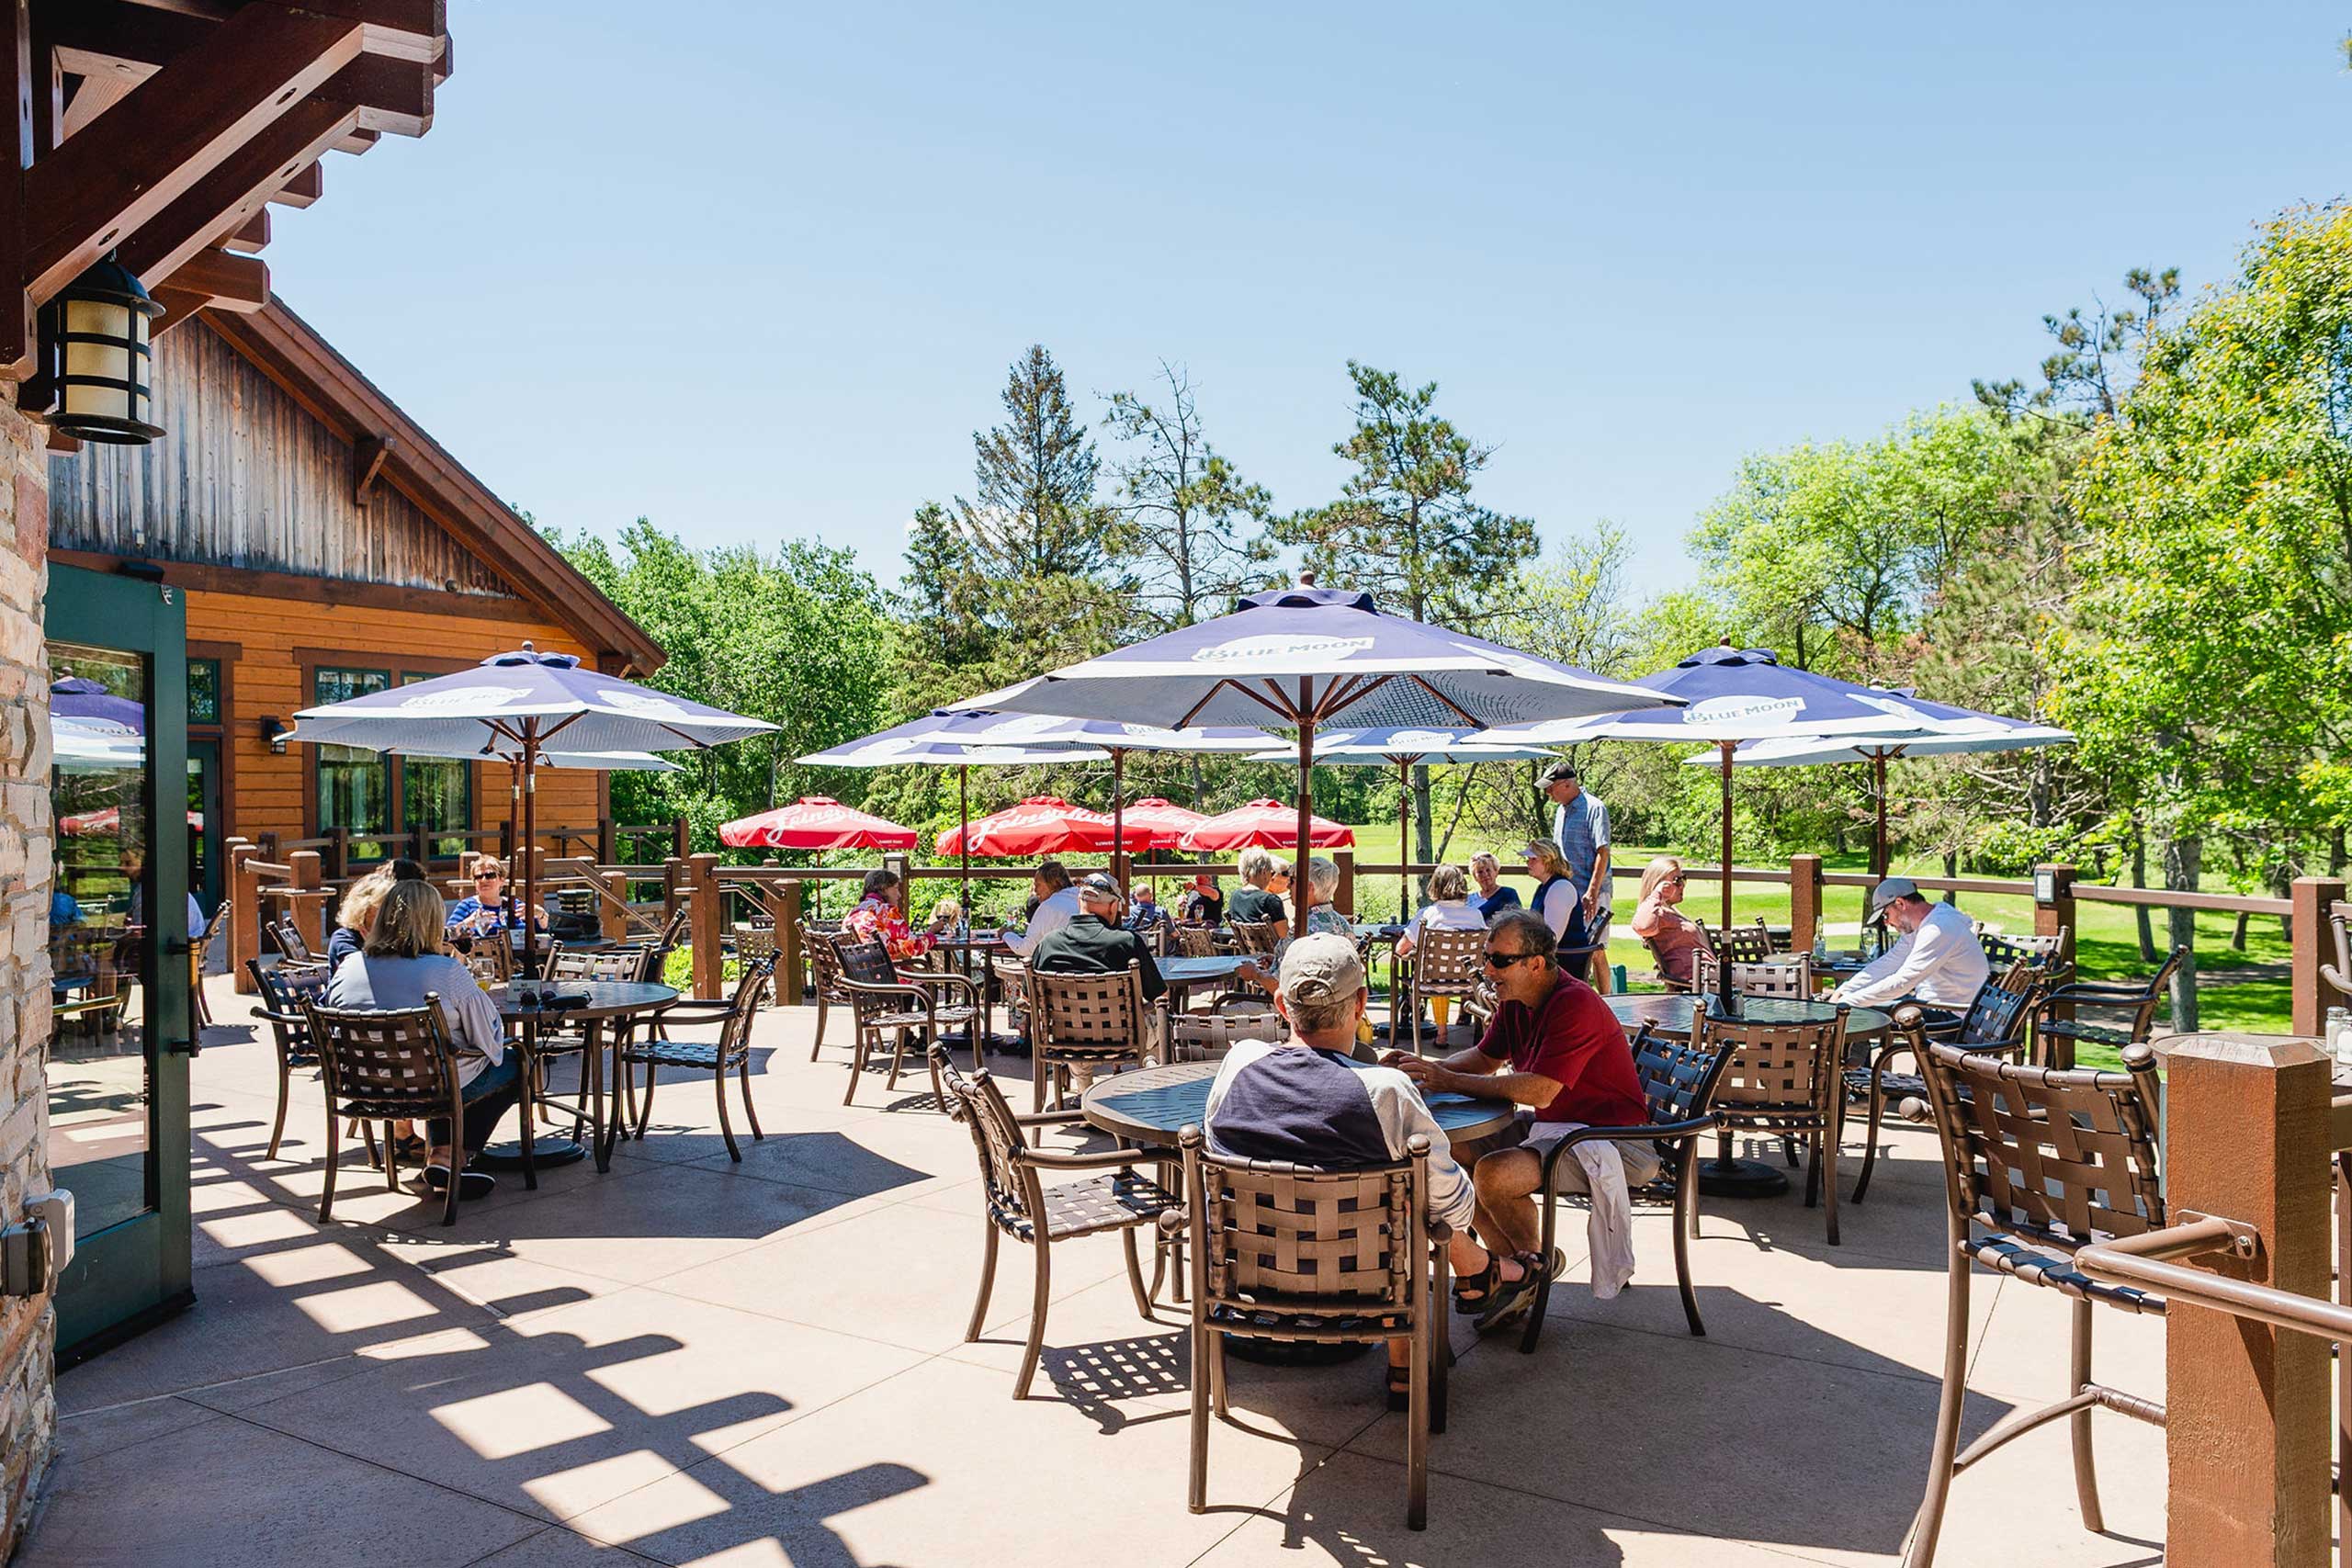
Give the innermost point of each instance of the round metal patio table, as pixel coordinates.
(607, 1000)
(1669, 1015)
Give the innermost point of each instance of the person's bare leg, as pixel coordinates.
(1507, 1221)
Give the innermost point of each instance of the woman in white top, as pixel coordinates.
(1449, 909)
(403, 964)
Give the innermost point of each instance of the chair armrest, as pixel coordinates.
(1047, 1118)
(1174, 1222)
(1644, 1134)
(937, 977)
(711, 1008)
(865, 988)
(2094, 991)
(1100, 1159)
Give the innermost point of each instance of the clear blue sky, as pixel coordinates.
(758, 272)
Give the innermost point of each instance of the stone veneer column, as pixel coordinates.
(27, 1328)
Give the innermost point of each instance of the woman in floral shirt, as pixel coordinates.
(876, 918)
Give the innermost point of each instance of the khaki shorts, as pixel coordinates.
(1642, 1164)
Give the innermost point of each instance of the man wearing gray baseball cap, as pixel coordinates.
(1309, 1101)
(1938, 964)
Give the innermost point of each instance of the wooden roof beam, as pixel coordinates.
(173, 129)
(223, 201)
(227, 281)
(251, 235)
(368, 454)
(306, 186)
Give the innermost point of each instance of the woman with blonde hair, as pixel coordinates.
(1449, 909)
(402, 964)
(1675, 938)
(1555, 898)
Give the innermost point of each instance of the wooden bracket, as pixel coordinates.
(368, 454)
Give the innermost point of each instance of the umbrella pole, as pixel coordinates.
(964, 839)
(1404, 837)
(530, 833)
(1878, 767)
(1298, 884)
(1118, 817)
(1726, 746)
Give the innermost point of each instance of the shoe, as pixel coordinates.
(472, 1184)
(1510, 1297)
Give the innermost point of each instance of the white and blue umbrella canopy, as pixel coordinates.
(600, 762)
(511, 697)
(1730, 695)
(937, 735)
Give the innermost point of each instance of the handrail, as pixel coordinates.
(2142, 1262)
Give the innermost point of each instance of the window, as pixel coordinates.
(354, 785)
(437, 795)
(204, 691)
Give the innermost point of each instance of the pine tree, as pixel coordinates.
(1035, 515)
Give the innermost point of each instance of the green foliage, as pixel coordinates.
(1198, 528)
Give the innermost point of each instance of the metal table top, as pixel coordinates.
(1153, 1105)
(1669, 1015)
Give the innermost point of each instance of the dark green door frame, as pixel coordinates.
(133, 1273)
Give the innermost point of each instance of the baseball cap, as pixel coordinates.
(1100, 883)
(1559, 772)
(1322, 967)
(1887, 892)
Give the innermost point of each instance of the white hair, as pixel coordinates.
(1322, 880)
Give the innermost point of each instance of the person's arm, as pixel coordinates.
(1402, 1114)
(1893, 973)
(1154, 985)
(1646, 918)
(473, 1017)
(1600, 875)
(1476, 1073)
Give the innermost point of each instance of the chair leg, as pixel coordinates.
(285, 1091)
(1036, 1316)
(1878, 1108)
(1929, 1522)
(1686, 1226)
(1440, 1314)
(2078, 1373)
(898, 1060)
(719, 1082)
(1812, 1170)
(1412, 1000)
(857, 1062)
(391, 1160)
(645, 1106)
(1196, 1496)
(1218, 1401)
(821, 1025)
(1824, 1149)
(1788, 1148)
(530, 1165)
(335, 1158)
(1534, 1329)
(988, 1282)
(1417, 1427)
(457, 1156)
(1134, 1272)
(751, 1111)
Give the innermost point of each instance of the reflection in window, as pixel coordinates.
(354, 785)
(204, 691)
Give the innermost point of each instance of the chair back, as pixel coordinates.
(825, 964)
(1788, 978)
(755, 944)
(1996, 1018)
(288, 936)
(1447, 963)
(1193, 942)
(604, 963)
(1781, 1069)
(2154, 992)
(1256, 936)
(2063, 1157)
(2048, 959)
(975, 1101)
(282, 1005)
(394, 1063)
(1679, 1081)
(1088, 1013)
(1275, 1237)
(1745, 944)
(863, 962)
(489, 960)
(751, 990)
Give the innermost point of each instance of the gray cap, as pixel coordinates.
(1887, 892)
(1560, 772)
(1320, 968)
(1101, 883)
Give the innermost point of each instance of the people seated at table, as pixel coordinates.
(1093, 941)
(877, 918)
(1204, 903)
(1056, 906)
(403, 963)
(1555, 900)
(1265, 880)
(354, 913)
(1554, 1048)
(487, 906)
(1937, 963)
(947, 921)
(134, 868)
(1144, 913)
(1307, 1101)
(1450, 910)
(1491, 897)
(63, 910)
(1675, 938)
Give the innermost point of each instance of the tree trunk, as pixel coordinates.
(2237, 933)
(1424, 828)
(2140, 915)
(1195, 760)
(2335, 856)
(1952, 870)
(2183, 858)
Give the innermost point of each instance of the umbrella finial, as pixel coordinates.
(1307, 577)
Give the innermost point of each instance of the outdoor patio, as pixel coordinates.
(763, 1364)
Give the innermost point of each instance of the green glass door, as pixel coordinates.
(119, 938)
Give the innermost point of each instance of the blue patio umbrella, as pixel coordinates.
(1305, 657)
(1732, 694)
(1406, 747)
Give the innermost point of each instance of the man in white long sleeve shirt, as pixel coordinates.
(1939, 963)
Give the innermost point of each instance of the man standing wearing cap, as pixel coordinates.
(1309, 1101)
(1939, 963)
(1580, 827)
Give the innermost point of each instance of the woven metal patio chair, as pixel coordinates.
(2038, 1163)
(1743, 944)
(825, 979)
(1096, 1022)
(1994, 1026)
(286, 936)
(1448, 964)
(490, 959)
(289, 1028)
(2056, 1038)
(1112, 1195)
(1258, 936)
(1784, 1079)
(885, 1001)
(1787, 977)
(1290, 1253)
(731, 1051)
(1195, 942)
(198, 952)
(390, 1066)
(1679, 1083)
(2051, 958)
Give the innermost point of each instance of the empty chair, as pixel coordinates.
(884, 1002)
(1787, 977)
(2055, 1037)
(1446, 965)
(289, 1028)
(287, 938)
(731, 1051)
(1745, 944)
(490, 960)
(1017, 1204)
(824, 978)
(1093, 1021)
(2039, 1164)
(2051, 958)
(1783, 1080)
(1994, 1026)
(1256, 936)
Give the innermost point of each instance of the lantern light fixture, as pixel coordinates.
(103, 363)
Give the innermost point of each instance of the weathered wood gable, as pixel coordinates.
(246, 476)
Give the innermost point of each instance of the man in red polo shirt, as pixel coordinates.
(1557, 1050)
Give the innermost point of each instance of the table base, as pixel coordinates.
(546, 1152)
(1726, 1177)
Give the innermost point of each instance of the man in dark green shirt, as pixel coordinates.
(1094, 943)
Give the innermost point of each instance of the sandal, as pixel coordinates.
(1508, 1297)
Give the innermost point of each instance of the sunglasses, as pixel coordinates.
(1505, 959)
(489, 876)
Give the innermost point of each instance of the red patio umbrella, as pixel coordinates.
(106, 820)
(1041, 824)
(816, 822)
(1268, 823)
(1162, 821)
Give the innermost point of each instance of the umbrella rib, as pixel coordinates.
(697, 745)
(560, 725)
(1422, 681)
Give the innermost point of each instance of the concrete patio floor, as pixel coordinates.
(685, 1360)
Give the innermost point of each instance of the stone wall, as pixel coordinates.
(27, 1328)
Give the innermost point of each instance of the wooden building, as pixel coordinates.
(326, 546)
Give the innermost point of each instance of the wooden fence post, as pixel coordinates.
(2312, 943)
(605, 846)
(612, 907)
(244, 913)
(1345, 899)
(672, 871)
(2246, 1438)
(309, 913)
(2053, 915)
(681, 838)
(705, 910)
(783, 903)
(1804, 901)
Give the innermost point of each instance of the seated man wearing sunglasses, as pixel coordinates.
(1554, 1048)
